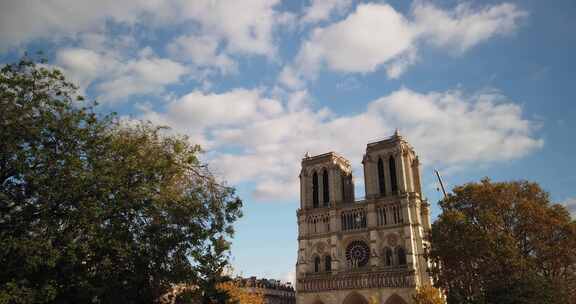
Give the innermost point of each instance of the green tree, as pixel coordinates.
(95, 210)
(504, 243)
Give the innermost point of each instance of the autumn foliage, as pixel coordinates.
(240, 295)
(504, 243)
(427, 294)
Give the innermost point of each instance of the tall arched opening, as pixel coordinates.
(355, 298)
(395, 299)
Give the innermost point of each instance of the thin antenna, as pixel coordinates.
(441, 183)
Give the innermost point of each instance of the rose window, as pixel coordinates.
(357, 254)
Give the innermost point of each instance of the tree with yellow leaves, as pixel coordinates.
(237, 294)
(428, 295)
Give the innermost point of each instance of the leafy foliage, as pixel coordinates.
(504, 243)
(427, 294)
(95, 210)
(240, 295)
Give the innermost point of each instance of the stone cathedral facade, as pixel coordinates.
(366, 250)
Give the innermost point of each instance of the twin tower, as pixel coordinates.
(368, 250)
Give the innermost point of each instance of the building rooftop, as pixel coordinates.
(324, 157)
(387, 142)
(264, 283)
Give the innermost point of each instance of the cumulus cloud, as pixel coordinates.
(452, 128)
(464, 27)
(202, 51)
(239, 106)
(322, 10)
(262, 139)
(22, 21)
(291, 78)
(245, 26)
(206, 116)
(248, 32)
(117, 78)
(372, 35)
(147, 75)
(365, 49)
(84, 65)
(376, 35)
(210, 36)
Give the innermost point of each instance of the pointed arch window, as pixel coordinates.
(381, 182)
(315, 189)
(328, 263)
(401, 256)
(387, 256)
(325, 189)
(317, 264)
(393, 179)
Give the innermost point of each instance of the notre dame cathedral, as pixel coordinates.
(368, 250)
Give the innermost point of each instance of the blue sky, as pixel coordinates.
(483, 88)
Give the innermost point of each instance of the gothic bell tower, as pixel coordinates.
(325, 180)
(359, 251)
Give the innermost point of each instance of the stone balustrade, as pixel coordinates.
(385, 279)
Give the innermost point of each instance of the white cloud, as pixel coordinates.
(205, 115)
(210, 36)
(570, 203)
(399, 65)
(289, 78)
(372, 35)
(451, 128)
(84, 65)
(148, 75)
(321, 10)
(202, 51)
(259, 139)
(116, 77)
(464, 27)
(24, 20)
(238, 106)
(376, 35)
(244, 26)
